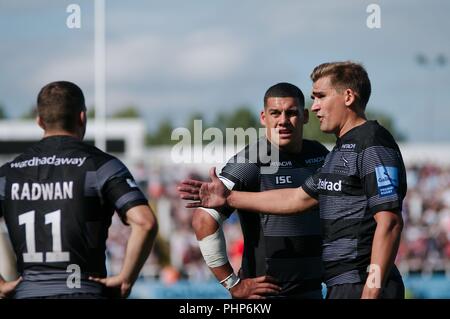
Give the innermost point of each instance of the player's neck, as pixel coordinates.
(352, 121)
(292, 148)
(61, 133)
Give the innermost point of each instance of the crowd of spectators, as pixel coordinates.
(425, 244)
(424, 248)
(176, 254)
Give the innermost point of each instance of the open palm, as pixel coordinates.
(210, 195)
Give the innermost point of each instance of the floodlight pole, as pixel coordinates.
(100, 76)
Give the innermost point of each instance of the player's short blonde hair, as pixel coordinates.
(343, 75)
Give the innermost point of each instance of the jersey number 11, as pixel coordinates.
(31, 256)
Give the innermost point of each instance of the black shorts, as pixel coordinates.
(394, 289)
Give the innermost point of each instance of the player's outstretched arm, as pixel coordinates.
(213, 247)
(7, 287)
(143, 232)
(214, 195)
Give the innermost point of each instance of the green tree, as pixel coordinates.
(386, 121)
(243, 117)
(91, 112)
(162, 136)
(190, 126)
(2, 112)
(127, 112)
(30, 114)
(312, 130)
(221, 121)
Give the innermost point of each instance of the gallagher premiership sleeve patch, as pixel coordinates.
(387, 180)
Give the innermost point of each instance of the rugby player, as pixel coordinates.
(282, 254)
(58, 198)
(360, 189)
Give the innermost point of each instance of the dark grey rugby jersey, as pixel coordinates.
(285, 247)
(362, 175)
(58, 199)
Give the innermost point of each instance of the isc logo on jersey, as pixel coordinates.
(329, 186)
(286, 179)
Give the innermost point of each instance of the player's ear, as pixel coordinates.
(305, 116)
(262, 117)
(40, 122)
(82, 123)
(83, 118)
(350, 97)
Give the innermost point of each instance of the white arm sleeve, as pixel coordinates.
(213, 247)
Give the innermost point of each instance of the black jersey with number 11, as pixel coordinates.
(58, 199)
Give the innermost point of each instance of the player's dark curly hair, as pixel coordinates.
(285, 89)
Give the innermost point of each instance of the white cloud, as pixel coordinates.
(209, 56)
(133, 62)
(78, 68)
(156, 73)
(134, 58)
(198, 56)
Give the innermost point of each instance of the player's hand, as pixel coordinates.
(189, 189)
(211, 195)
(255, 288)
(117, 285)
(7, 287)
(371, 293)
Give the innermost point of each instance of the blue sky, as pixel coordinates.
(172, 58)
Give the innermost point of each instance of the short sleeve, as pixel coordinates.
(311, 183)
(241, 175)
(310, 186)
(119, 188)
(383, 176)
